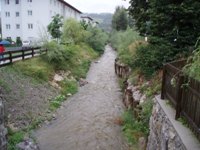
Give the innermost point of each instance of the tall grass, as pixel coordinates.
(135, 128)
(120, 40)
(125, 42)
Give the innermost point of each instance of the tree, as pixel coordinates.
(138, 10)
(73, 32)
(54, 28)
(120, 19)
(174, 21)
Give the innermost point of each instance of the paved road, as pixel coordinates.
(86, 120)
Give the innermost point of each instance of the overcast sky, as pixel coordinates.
(97, 6)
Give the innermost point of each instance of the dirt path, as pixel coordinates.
(86, 120)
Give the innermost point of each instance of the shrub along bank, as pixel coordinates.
(144, 61)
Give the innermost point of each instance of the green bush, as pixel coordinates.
(58, 55)
(73, 32)
(193, 68)
(120, 40)
(152, 56)
(69, 87)
(97, 39)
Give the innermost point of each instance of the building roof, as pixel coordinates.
(67, 4)
(87, 17)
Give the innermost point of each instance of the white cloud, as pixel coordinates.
(97, 6)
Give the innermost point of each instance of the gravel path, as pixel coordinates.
(86, 120)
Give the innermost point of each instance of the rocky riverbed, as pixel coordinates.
(87, 119)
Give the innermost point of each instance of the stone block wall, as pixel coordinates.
(163, 135)
(3, 130)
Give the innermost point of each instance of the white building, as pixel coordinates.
(28, 18)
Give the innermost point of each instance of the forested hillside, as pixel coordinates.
(104, 20)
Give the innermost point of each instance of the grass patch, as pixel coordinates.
(135, 128)
(121, 83)
(153, 87)
(36, 68)
(56, 102)
(5, 86)
(14, 138)
(69, 87)
(80, 71)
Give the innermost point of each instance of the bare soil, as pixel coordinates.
(26, 100)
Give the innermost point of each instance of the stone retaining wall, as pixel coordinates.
(162, 136)
(166, 133)
(3, 130)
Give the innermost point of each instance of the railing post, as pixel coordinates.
(23, 55)
(163, 83)
(115, 66)
(32, 52)
(179, 96)
(10, 56)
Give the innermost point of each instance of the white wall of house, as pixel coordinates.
(34, 17)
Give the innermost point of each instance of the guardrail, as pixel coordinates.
(11, 56)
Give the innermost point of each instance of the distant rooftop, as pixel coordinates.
(87, 17)
(67, 4)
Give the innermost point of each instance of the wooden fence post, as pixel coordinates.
(163, 82)
(179, 96)
(10, 56)
(32, 52)
(115, 66)
(22, 54)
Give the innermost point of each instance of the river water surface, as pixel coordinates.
(86, 120)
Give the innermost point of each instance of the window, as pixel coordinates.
(30, 26)
(17, 14)
(7, 14)
(30, 1)
(16, 1)
(7, 1)
(7, 26)
(30, 13)
(17, 26)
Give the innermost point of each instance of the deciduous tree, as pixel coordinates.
(54, 28)
(120, 19)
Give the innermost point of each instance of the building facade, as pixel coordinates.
(27, 19)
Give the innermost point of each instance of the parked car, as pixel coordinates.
(26, 44)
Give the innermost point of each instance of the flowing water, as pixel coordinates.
(87, 120)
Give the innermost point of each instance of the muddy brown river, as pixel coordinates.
(86, 120)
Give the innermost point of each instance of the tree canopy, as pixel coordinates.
(54, 28)
(120, 19)
(174, 21)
